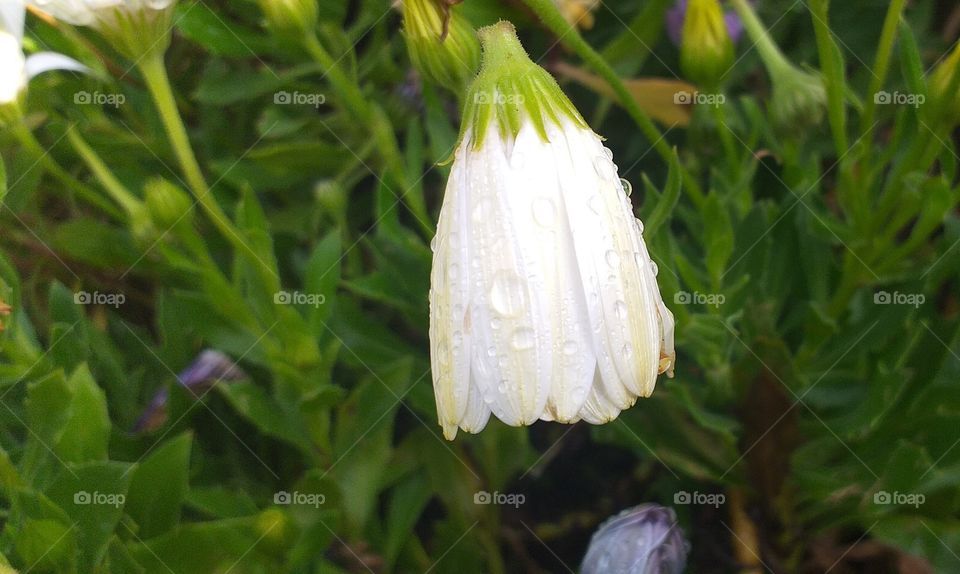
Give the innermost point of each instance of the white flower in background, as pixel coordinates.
(136, 28)
(543, 302)
(15, 68)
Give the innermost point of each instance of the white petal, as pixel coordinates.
(46, 61)
(12, 77)
(477, 414)
(450, 312)
(598, 409)
(512, 358)
(12, 14)
(621, 292)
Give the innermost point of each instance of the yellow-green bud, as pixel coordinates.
(799, 99)
(295, 17)
(442, 45)
(945, 87)
(332, 197)
(706, 51)
(167, 205)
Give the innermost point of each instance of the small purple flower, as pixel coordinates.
(645, 539)
(677, 14)
(209, 368)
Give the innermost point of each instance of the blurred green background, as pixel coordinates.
(813, 274)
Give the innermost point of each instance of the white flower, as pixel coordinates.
(544, 302)
(15, 69)
(92, 12)
(136, 28)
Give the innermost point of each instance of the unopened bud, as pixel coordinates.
(442, 45)
(706, 52)
(294, 17)
(643, 540)
(945, 87)
(167, 205)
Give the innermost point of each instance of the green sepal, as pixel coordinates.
(511, 88)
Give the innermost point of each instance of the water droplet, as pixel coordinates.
(482, 210)
(491, 351)
(523, 338)
(626, 351)
(627, 187)
(502, 387)
(453, 272)
(544, 212)
(570, 348)
(654, 267)
(508, 294)
(495, 323)
(434, 242)
(620, 309)
(613, 259)
(608, 153)
(639, 227)
(604, 167)
(595, 204)
(457, 339)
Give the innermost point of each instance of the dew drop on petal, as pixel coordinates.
(491, 351)
(508, 294)
(627, 186)
(639, 226)
(433, 243)
(544, 212)
(502, 387)
(453, 272)
(620, 309)
(608, 153)
(654, 267)
(626, 351)
(495, 323)
(595, 204)
(523, 338)
(570, 348)
(613, 259)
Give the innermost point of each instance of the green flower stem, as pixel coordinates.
(550, 15)
(882, 64)
(83, 191)
(726, 140)
(110, 183)
(370, 114)
(771, 55)
(158, 82)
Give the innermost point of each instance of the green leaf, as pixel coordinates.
(718, 237)
(664, 203)
(159, 486)
(322, 276)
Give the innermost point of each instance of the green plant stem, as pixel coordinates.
(371, 115)
(550, 15)
(158, 82)
(882, 63)
(772, 57)
(831, 63)
(83, 191)
(726, 140)
(110, 183)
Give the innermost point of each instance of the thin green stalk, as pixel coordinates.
(371, 115)
(550, 15)
(110, 183)
(771, 55)
(158, 82)
(83, 191)
(831, 63)
(882, 63)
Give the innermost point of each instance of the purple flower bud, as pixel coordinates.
(677, 14)
(209, 368)
(645, 539)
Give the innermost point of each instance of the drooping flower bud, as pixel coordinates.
(643, 540)
(706, 52)
(135, 28)
(799, 98)
(544, 301)
(290, 17)
(443, 46)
